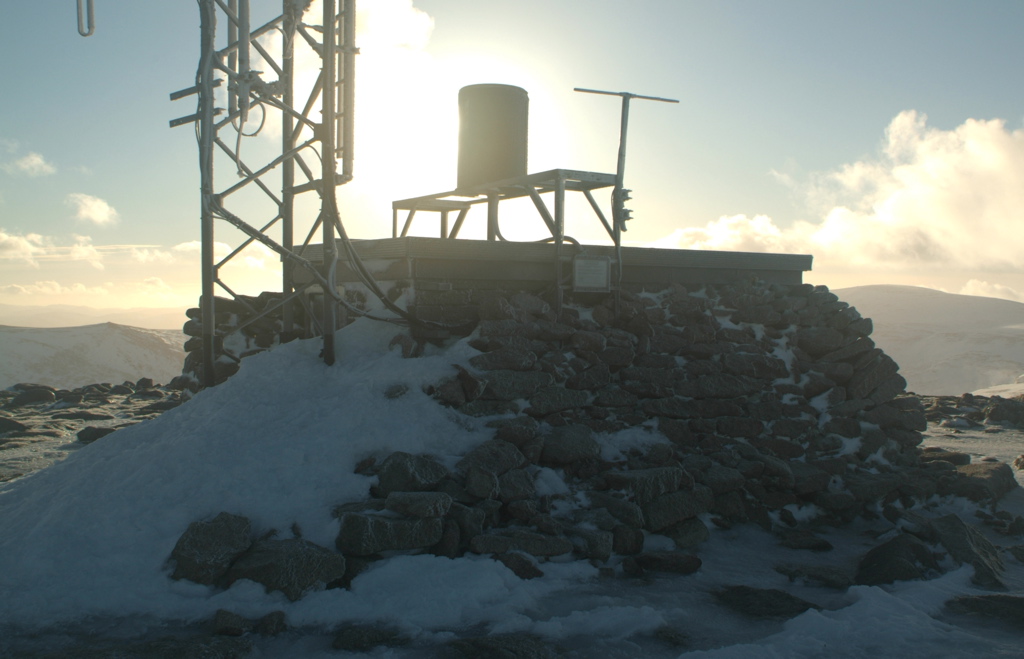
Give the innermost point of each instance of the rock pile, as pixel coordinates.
(244, 325)
(33, 413)
(757, 403)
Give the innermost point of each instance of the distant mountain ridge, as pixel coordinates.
(69, 357)
(944, 343)
(65, 315)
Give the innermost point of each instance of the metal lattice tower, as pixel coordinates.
(258, 63)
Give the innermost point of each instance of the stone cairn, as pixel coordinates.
(764, 403)
(244, 326)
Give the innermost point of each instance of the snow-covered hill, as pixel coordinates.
(71, 357)
(65, 315)
(945, 344)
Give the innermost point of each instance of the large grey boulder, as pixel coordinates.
(966, 545)
(985, 480)
(569, 444)
(902, 558)
(363, 535)
(405, 472)
(293, 566)
(206, 549)
(419, 504)
(671, 509)
(495, 457)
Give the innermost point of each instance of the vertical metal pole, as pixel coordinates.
(348, 89)
(208, 25)
(288, 166)
(232, 57)
(559, 237)
(492, 216)
(619, 210)
(328, 207)
(620, 169)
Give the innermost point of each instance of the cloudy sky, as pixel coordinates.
(885, 138)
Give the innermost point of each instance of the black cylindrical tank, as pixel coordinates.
(493, 122)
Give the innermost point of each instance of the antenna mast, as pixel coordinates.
(257, 61)
(620, 195)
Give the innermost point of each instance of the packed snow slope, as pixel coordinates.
(69, 357)
(945, 344)
(85, 542)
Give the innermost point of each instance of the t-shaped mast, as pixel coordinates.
(620, 195)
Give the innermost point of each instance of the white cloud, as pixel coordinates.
(155, 285)
(147, 255)
(52, 288)
(84, 250)
(986, 289)
(31, 164)
(931, 200)
(22, 248)
(92, 209)
(195, 248)
(737, 233)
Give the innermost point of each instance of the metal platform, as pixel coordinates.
(557, 181)
(426, 262)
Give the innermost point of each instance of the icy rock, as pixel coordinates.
(292, 566)
(10, 425)
(513, 385)
(506, 359)
(985, 480)
(626, 512)
(966, 545)
(592, 544)
(670, 509)
(902, 558)
(569, 444)
(419, 504)
(516, 485)
(645, 485)
(33, 396)
(495, 457)
(688, 534)
(520, 565)
(206, 550)
(627, 541)
(404, 472)
(90, 434)
(819, 341)
(363, 535)
(1008, 608)
(549, 400)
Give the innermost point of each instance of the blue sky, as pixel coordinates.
(885, 138)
